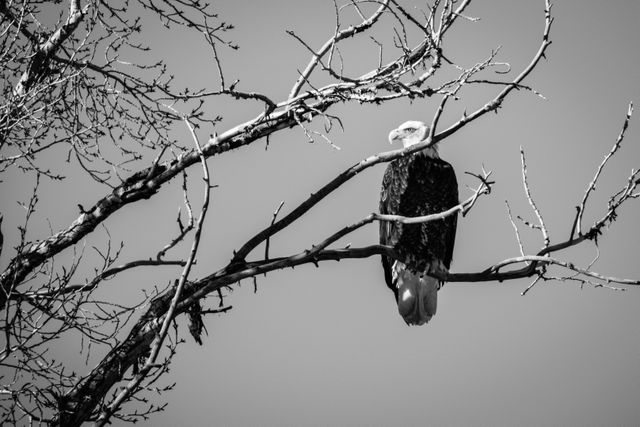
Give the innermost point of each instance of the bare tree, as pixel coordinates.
(66, 86)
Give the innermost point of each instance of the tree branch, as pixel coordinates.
(592, 185)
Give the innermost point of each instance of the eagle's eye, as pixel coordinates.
(410, 129)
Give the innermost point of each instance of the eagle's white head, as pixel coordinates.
(411, 133)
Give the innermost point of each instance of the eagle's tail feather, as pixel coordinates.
(417, 295)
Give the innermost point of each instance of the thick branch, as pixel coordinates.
(141, 185)
(323, 192)
(38, 64)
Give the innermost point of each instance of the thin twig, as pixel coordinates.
(273, 219)
(515, 228)
(592, 185)
(543, 228)
(531, 285)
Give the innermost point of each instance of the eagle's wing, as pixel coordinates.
(450, 186)
(394, 182)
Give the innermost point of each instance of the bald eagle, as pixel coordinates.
(416, 185)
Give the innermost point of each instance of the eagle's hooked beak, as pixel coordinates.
(393, 135)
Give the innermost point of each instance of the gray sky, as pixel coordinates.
(326, 346)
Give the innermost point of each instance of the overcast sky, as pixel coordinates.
(326, 346)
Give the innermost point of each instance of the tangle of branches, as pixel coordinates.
(67, 86)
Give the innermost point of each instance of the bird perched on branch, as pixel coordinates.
(417, 185)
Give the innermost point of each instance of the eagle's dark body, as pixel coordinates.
(418, 185)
